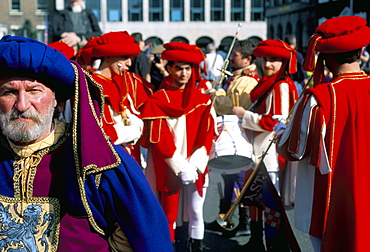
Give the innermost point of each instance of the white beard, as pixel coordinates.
(23, 132)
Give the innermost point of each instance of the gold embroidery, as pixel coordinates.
(82, 172)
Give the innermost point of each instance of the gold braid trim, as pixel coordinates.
(82, 172)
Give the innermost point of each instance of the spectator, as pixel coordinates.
(213, 64)
(140, 63)
(74, 25)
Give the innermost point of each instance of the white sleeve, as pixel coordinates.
(200, 159)
(127, 135)
(250, 121)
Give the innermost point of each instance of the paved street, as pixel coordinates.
(213, 240)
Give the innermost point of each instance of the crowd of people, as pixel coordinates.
(104, 148)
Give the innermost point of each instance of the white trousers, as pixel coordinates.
(191, 203)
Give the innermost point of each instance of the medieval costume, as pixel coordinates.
(73, 190)
(124, 93)
(328, 135)
(178, 134)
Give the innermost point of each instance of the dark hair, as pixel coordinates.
(137, 37)
(246, 48)
(347, 57)
(290, 39)
(170, 62)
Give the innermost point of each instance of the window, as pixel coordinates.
(155, 10)
(94, 5)
(217, 10)
(42, 5)
(114, 10)
(197, 10)
(135, 10)
(257, 10)
(16, 5)
(176, 10)
(237, 10)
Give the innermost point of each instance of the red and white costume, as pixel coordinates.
(124, 94)
(178, 133)
(176, 138)
(328, 134)
(278, 101)
(274, 95)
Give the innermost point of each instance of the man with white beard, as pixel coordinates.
(63, 185)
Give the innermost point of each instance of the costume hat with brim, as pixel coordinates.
(184, 52)
(26, 57)
(277, 48)
(65, 49)
(274, 48)
(115, 44)
(335, 35)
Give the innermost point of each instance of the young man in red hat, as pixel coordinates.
(273, 97)
(329, 135)
(124, 92)
(178, 133)
(200, 83)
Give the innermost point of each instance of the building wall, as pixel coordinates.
(166, 30)
(303, 17)
(12, 21)
(190, 30)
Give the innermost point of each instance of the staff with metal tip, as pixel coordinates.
(225, 220)
(224, 72)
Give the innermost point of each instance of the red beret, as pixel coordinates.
(115, 44)
(84, 55)
(65, 49)
(184, 52)
(277, 48)
(336, 35)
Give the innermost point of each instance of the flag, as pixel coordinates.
(260, 192)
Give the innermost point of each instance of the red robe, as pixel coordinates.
(166, 104)
(271, 98)
(329, 134)
(128, 90)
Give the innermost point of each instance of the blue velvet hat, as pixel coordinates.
(26, 57)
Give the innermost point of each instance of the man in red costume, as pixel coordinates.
(200, 83)
(179, 129)
(329, 135)
(124, 92)
(273, 97)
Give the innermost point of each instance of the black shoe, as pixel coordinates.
(195, 245)
(252, 245)
(244, 223)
